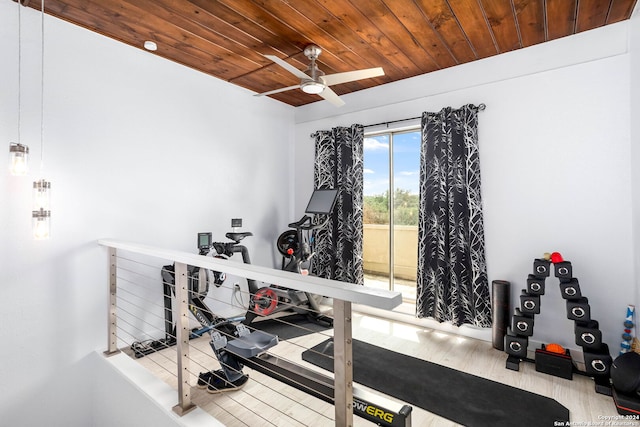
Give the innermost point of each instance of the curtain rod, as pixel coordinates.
(481, 107)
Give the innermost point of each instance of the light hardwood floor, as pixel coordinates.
(264, 401)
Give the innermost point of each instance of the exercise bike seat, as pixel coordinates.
(252, 344)
(236, 237)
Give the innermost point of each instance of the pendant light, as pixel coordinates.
(18, 158)
(19, 153)
(41, 214)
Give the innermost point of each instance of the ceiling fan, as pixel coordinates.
(314, 81)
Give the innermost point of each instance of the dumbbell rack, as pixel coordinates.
(597, 359)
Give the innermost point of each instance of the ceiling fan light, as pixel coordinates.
(312, 87)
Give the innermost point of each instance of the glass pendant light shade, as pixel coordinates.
(18, 159)
(41, 216)
(41, 195)
(41, 224)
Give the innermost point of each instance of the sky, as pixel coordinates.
(406, 162)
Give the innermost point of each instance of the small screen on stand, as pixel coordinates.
(204, 240)
(322, 201)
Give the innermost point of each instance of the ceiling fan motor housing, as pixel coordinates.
(312, 52)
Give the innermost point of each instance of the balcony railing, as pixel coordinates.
(376, 250)
(137, 316)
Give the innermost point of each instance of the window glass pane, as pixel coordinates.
(406, 180)
(376, 211)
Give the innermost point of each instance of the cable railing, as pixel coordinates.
(196, 338)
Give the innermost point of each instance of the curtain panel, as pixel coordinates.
(339, 164)
(452, 283)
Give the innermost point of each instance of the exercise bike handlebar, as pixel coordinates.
(229, 248)
(302, 224)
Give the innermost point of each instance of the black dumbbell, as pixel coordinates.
(529, 304)
(588, 335)
(597, 361)
(522, 324)
(579, 310)
(535, 285)
(541, 267)
(570, 289)
(515, 345)
(563, 270)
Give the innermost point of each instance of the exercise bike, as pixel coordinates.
(296, 246)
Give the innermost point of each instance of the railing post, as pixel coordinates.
(343, 363)
(112, 344)
(182, 340)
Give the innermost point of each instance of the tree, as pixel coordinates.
(376, 208)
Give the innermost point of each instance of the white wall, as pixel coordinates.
(137, 148)
(634, 43)
(555, 159)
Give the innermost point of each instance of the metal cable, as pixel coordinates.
(139, 306)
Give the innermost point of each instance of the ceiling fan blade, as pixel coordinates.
(290, 68)
(271, 92)
(332, 97)
(350, 76)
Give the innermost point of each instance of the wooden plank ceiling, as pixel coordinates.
(228, 38)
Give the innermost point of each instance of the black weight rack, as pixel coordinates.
(597, 359)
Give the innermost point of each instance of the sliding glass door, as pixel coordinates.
(391, 193)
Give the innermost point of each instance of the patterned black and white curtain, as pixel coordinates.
(452, 283)
(339, 164)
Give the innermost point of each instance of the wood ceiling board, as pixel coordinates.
(400, 40)
(501, 17)
(445, 24)
(285, 38)
(591, 14)
(474, 24)
(220, 31)
(270, 43)
(418, 25)
(372, 35)
(560, 18)
(620, 10)
(530, 19)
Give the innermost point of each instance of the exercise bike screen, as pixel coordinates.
(322, 201)
(204, 240)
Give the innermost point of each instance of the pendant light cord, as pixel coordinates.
(19, 66)
(42, 94)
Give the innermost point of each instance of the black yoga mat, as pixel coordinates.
(287, 327)
(460, 397)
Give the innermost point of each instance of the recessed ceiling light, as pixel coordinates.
(149, 45)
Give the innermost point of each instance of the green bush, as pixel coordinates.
(376, 208)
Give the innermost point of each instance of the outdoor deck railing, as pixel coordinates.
(134, 275)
